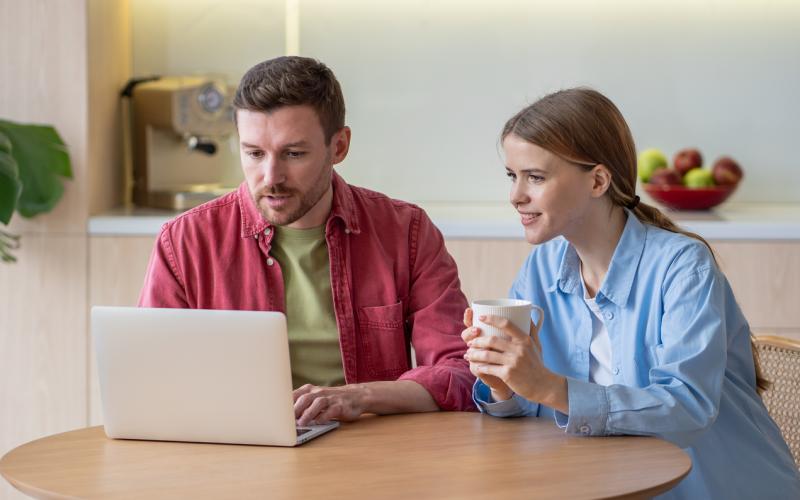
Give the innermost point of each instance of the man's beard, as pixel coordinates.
(307, 200)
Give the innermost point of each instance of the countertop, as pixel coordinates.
(729, 221)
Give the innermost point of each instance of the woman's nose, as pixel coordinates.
(518, 195)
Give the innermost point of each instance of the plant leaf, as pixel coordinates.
(5, 144)
(10, 186)
(42, 159)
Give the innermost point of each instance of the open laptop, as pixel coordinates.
(197, 375)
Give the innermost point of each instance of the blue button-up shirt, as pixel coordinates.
(681, 359)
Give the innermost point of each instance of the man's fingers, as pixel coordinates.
(314, 410)
(304, 389)
(303, 401)
(505, 325)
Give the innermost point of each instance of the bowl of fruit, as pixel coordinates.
(688, 185)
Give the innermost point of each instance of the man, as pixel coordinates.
(357, 274)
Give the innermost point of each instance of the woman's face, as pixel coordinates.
(552, 195)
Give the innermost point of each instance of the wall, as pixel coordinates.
(63, 61)
(429, 83)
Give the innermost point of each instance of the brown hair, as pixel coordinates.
(583, 126)
(293, 81)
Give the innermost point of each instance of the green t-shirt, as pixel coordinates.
(313, 334)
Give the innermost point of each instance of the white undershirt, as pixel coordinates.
(600, 346)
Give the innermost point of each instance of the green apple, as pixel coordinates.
(698, 178)
(650, 160)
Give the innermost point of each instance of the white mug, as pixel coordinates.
(515, 310)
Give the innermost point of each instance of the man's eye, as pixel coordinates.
(255, 154)
(295, 154)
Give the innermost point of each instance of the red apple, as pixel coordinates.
(726, 171)
(665, 177)
(687, 159)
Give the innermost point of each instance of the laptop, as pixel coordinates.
(197, 375)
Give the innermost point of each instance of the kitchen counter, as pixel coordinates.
(729, 221)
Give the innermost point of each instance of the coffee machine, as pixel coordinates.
(184, 142)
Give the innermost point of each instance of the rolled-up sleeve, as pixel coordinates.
(436, 307)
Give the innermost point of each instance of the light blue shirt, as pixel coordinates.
(681, 360)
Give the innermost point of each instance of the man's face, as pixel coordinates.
(287, 164)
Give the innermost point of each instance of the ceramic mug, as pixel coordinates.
(515, 310)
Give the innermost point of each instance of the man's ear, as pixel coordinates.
(601, 177)
(341, 144)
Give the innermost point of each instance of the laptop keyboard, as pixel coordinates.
(302, 430)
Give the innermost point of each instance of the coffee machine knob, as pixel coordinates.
(205, 146)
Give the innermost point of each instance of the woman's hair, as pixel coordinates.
(583, 126)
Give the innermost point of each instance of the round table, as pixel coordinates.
(433, 455)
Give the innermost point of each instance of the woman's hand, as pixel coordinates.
(500, 391)
(516, 360)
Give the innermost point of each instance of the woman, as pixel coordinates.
(642, 333)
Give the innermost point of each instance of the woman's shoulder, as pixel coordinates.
(677, 253)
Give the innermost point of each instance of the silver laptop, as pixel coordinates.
(197, 375)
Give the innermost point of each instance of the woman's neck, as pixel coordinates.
(595, 243)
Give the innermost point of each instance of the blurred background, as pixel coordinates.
(429, 84)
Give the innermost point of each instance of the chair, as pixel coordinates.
(780, 364)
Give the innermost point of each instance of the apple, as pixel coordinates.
(687, 159)
(650, 160)
(726, 171)
(665, 177)
(698, 178)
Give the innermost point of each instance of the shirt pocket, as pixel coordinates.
(383, 340)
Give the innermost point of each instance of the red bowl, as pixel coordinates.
(684, 198)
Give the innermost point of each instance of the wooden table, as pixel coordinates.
(435, 455)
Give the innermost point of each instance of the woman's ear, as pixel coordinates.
(601, 177)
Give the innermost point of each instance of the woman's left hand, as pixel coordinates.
(516, 359)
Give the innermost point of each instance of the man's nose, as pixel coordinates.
(273, 171)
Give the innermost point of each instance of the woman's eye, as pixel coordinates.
(511, 176)
(535, 178)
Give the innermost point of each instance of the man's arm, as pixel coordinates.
(317, 405)
(163, 284)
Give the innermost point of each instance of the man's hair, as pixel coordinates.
(293, 81)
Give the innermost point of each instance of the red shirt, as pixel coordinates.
(392, 282)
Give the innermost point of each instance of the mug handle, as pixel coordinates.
(538, 326)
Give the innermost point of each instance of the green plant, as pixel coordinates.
(33, 159)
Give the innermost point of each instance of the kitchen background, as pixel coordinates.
(428, 86)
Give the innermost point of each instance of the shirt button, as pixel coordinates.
(347, 231)
(270, 261)
(585, 429)
(616, 370)
(609, 315)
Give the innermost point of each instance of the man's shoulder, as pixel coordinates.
(376, 199)
(208, 216)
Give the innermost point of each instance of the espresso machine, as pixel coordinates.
(183, 141)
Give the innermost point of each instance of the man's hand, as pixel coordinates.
(319, 405)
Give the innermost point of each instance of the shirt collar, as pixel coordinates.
(621, 272)
(343, 208)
